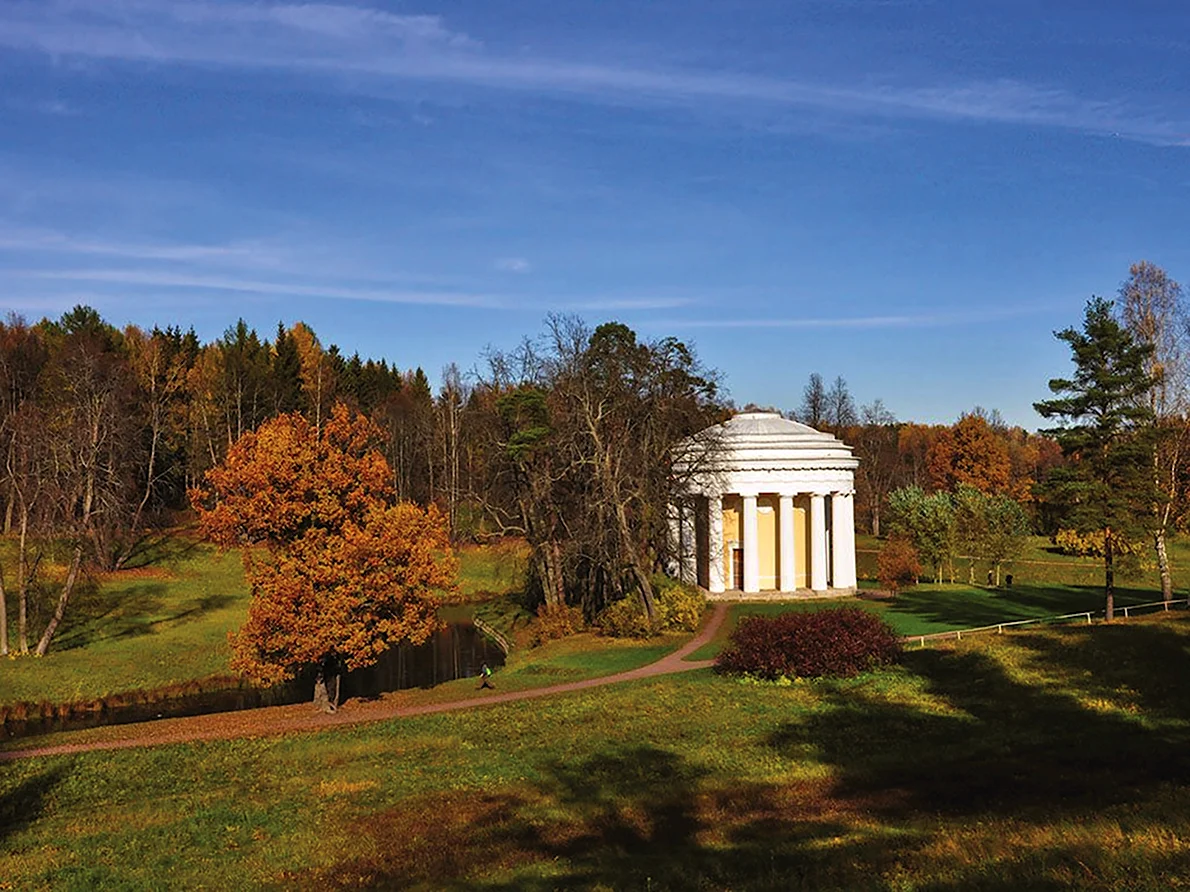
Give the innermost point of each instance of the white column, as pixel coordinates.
(818, 542)
(785, 555)
(751, 546)
(843, 507)
(673, 522)
(715, 544)
(838, 545)
(689, 553)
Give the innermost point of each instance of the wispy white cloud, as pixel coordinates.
(513, 265)
(339, 39)
(214, 282)
(56, 108)
(891, 321)
(50, 241)
(183, 281)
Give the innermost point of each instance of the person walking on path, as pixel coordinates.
(486, 675)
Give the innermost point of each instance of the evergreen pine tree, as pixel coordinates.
(1106, 432)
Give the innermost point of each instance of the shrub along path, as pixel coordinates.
(274, 720)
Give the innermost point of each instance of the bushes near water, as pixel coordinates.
(839, 642)
(679, 608)
(555, 621)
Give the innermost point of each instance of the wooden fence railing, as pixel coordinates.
(500, 640)
(1088, 615)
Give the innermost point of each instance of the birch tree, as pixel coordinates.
(1152, 307)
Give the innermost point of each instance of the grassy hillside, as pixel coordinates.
(1048, 759)
(167, 623)
(1040, 564)
(144, 629)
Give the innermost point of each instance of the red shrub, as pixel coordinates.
(897, 565)
(839, 642)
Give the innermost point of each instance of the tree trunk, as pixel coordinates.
(326, 685)
(67, 589)
(549, 572)
(1163, 566)
(126, 552)
(23, 582)
(1109, 574)
(646, 593)
(547, 554)
(637, 570)
(876, 521)
(3, 619)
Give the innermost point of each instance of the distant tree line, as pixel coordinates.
(105, 431)
(979, 451)
(567, 440)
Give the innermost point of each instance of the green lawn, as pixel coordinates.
(930, 608)
(1041, 564)
(167, 623)
(148, 629)
(491, 570)
(1051, 759)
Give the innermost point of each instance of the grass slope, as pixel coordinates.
(1041, 564)
(1049, 759)
(141, 630)
(167, 623)
(930, 608)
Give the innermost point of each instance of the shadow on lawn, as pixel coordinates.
(104, 614)
(1010, 770)
(1011, 746)
(644, 818)
(23, 804)
(964, 609)
(636, 818)
(164, 547)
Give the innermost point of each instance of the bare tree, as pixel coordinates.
(588, 433)
(840, 407)
(88, 476)
(160, 372)
(876, 447)
(813, 409)
(451, 398)
(22, 356)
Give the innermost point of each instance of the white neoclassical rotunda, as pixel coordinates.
(767, 506)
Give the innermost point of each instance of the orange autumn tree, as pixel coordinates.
(970, 453)
(340, 571)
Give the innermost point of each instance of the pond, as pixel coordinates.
(457, 650)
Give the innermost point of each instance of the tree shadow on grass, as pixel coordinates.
(24, 803)
(160, 547)
(965, 610)
(633, 818)
(1007, 747)
(1006, 761)
(1143, 663)
(101, 614)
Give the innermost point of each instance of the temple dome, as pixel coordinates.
(761, 441)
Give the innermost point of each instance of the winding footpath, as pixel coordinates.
(280, 720)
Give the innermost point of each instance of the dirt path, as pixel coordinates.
(277, 720)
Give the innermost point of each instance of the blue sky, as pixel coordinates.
(912, 195)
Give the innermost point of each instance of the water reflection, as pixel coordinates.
(455, 651)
